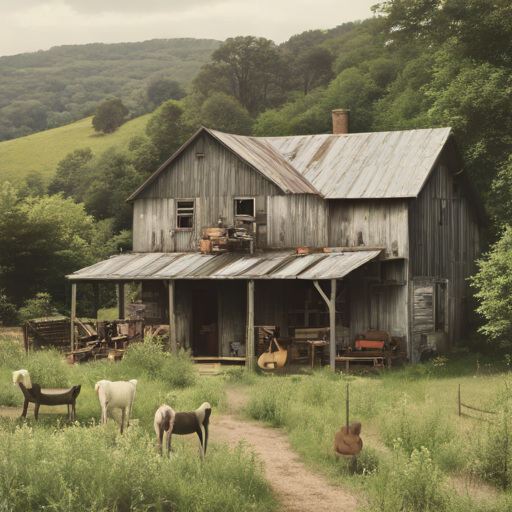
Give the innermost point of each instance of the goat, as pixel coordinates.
(183, 423)
(22, 376)
(116, 395)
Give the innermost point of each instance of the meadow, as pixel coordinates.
(61, 466)
(44, 150)
(418, 454)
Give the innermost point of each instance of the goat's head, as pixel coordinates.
(22, 376)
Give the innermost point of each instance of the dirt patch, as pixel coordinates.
(298, 488)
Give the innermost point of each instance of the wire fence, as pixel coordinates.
(461, 405)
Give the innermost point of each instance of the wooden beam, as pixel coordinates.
(321, 292)
(332, 317)
(73, 315)
(173, 346)
(120, 300)
(249, 361)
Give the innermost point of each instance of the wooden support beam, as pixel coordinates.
(332, 317)
(73, 315)
(120, 300)
(331, 304)
(173, 346)
(250, 358)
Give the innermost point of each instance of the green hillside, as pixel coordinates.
(42, 151)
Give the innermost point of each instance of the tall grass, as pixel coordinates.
(413, 438)
(96, 469)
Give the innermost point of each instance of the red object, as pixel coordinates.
(369, 344)
(302, 250)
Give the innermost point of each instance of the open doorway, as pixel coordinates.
(205, 305)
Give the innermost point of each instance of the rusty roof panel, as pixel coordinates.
(263, 157)
(365, 165)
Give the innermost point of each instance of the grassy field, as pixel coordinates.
(418, 454)
(42, 151)
(58, 466)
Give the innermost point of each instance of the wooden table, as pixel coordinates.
(347, 360)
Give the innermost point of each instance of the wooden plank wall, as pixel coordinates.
(232, 314)
(379, 222)
(297, 220)
(444, 241)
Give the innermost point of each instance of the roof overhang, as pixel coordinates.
(184, 266)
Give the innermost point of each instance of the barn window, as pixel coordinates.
(185, 213)
(244, 207)
(440, 306)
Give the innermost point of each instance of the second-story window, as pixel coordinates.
(185, 213)
(245, 207)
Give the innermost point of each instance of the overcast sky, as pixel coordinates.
(31, 25)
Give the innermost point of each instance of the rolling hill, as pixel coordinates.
(42, 151)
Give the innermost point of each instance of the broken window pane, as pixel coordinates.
(244, 207)
(185, 214)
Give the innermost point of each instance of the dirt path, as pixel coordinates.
(299, 488)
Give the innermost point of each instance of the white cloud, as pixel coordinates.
(39, 24)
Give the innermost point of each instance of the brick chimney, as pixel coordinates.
(340, 121)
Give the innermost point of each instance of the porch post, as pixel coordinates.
(332, 317)
(249, 356)
(73, 315)
(172, 319)
(120, 301)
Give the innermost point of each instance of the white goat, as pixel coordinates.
(22, 376)
(116, 395)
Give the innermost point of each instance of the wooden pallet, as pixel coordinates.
(208, 368)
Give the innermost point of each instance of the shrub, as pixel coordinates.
(48, 369)
(8, 312)
(38, 307)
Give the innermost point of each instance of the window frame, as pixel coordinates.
(251, 218)
(179, 214)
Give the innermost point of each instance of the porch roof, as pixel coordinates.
(279, 265)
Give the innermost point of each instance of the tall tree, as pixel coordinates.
(251, 67)
(109, 115)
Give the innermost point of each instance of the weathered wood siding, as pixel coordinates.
(232, 315)
(382, 222)
(297, 220)
(379, 303)
(212, 181)
(444, 244)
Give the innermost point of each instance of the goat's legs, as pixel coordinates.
(25, 409)
(36, 410)
(122, 418)
(169, 437)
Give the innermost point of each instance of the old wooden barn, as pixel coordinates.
(387, 227)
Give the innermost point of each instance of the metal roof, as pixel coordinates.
(365, 165)
(257, 153)
(263, 157)
(280, 265)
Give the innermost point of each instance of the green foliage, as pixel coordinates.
(96, 469)
(410, 482)
(494, 284)
(109, 115)
(38, 307)
(48, 89)
(48, 369)
(8, 312)
(149, 360)
(164, 89)
(11, 354)
(224, 113)
(70, 174)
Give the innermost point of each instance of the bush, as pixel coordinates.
(39, 307)
(149, 360)
(409, 482)
(48, 369)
